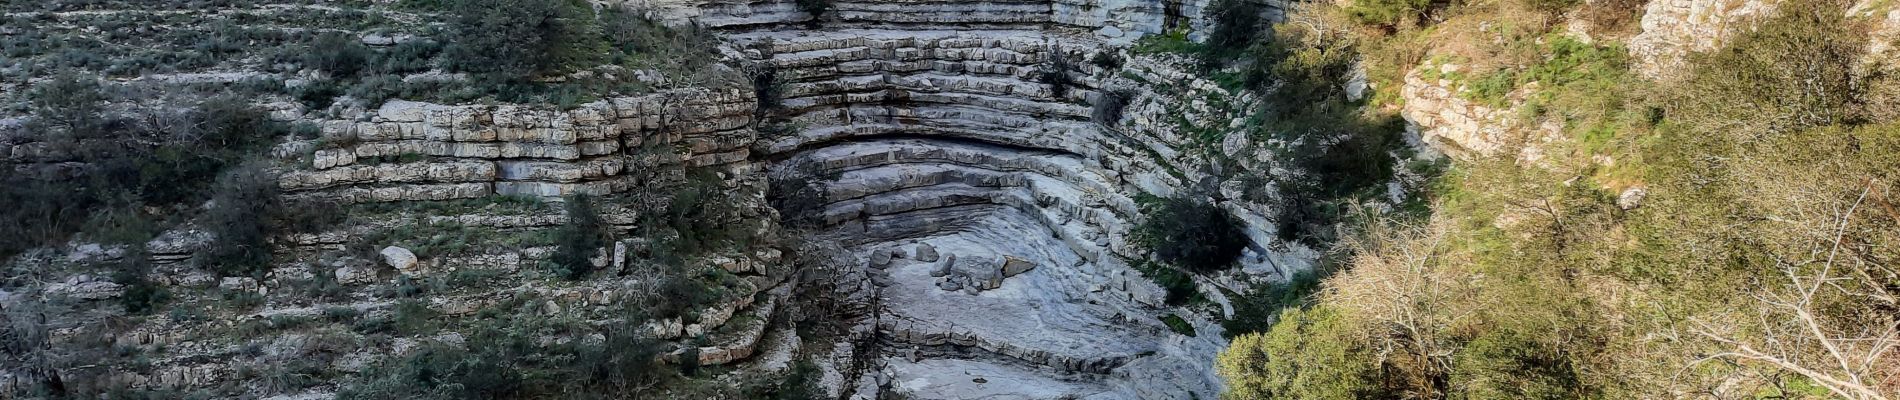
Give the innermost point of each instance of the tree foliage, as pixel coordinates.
(1193, 234)
(580, 239)
(520, 39)
(1725, 231)
(240, 219)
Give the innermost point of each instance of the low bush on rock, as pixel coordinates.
(1055, 73)
(1110, 105)
(1192, 234)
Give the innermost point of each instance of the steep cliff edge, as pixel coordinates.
(968, 206)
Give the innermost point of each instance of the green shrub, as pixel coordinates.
(702, 217)
(246, 198)
(801, 197)
(414, 317)
(768, 89)
(1504, 363)
(1310, 354)
(1178, 325)
(1256, 310)
(802, 382)
(1178, 286)
(1237, 26)
(1107, 59)
(341, 55)
(1390, 12)
(679, 294)
(1110, 105)
(815, 8)
(1055, 73)
(519, 39)
(1793, 71)
(580, 239)
(70, 102)
(1195, 235)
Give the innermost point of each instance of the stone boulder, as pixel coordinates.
(400, 258)
(1632, 198)
(881, 258)
(1013, 266)
(926, 252)
(943, 269)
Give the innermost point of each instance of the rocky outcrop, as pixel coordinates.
(1450, 122)
(407, 151)
(1674, 28)
(1118, 21)
(957, 141)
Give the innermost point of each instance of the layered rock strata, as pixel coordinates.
(951, 141)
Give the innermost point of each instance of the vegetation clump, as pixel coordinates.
(580, 239)
(1551, 280)
(1055, 73)
(519, 39)
(1110, 105)
(1192, 234)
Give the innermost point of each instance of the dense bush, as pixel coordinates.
(801, 197)
(1237, 25)
(768, 89)
(71, 103)
(1178, 287)
(240, 218)
(136, 166)
(339, 54)
(520, 39)
(1258, 309)
(816, 8)
(1535, 280)
(1055, 73)
(1109, 106)
(580, 239)
(141, 295)
(701, 217)
(1107, 60)
(1391, 12)
(1192, 234)
(1310, 354)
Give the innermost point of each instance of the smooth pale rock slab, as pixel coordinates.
(400, 258)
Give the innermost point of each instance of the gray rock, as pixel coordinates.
(400, 258)
(350, 275)
(1632, 198)
(880, 258)
(943, 268)
(926, 252)
(1013, 266)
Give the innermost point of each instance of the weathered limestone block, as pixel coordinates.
(1454, 124)
(350, 275)
(436, 172)
(400, 258)
(1674, 28)
(86, 287)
